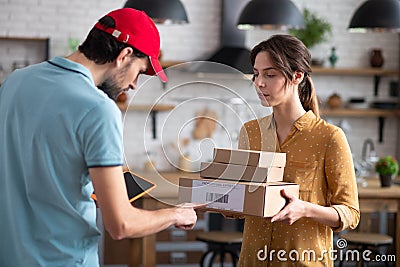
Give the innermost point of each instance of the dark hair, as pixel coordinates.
(288, 55)
(102, 47)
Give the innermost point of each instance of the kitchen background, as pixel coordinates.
(219, 96)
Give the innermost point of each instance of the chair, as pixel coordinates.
(363, 241)
(221, 242)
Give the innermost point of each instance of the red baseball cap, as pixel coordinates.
(136, 29)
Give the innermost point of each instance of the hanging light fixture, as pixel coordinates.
(161, 11)
(270, 14)
(376, 15)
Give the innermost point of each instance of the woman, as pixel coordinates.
(318, 159)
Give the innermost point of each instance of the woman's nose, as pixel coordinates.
(259, 82)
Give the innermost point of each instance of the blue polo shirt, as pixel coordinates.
(55, 124)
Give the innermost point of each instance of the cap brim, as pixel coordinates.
(157, 69)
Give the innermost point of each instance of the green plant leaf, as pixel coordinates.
(73, 44)
(316, 31)
(387, 165)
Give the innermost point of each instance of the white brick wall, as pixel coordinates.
(352, 48)
(60, 20)
(196, 39)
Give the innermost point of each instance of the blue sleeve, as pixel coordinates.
(100, 132)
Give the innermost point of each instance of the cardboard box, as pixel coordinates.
(256, 199)
(263, 159)
(241, 172)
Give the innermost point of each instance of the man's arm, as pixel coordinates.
(121, 219)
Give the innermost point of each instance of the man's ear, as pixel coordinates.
(124, 56)
(297, 77)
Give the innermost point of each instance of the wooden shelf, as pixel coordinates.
(158, 107)
(354, 71)
(169, 63)
(152, 109)
(381, 114)
(326, 71)
(360, 112)
(24, 39)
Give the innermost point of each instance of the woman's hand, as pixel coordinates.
(294, 209)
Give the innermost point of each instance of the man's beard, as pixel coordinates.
(111, 86)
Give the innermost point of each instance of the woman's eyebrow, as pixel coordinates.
(265, 69)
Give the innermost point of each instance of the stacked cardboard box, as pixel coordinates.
(245, 165)
(240, 181)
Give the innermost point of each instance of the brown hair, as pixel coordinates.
(288, 55)
(102, 47)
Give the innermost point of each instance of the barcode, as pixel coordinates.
(215, 197)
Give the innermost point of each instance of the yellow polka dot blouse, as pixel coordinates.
(319, 159)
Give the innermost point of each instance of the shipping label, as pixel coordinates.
(224, 196)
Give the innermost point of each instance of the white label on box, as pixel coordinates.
(224, 196)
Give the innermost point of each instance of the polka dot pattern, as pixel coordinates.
(319, 159)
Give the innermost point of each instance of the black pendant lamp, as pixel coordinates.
(376, 15)
(270, 14)
(161, 11)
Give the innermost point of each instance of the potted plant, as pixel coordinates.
(316, 31)
(387, 167)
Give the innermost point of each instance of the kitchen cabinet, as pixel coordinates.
(176, 246)
(171, 247)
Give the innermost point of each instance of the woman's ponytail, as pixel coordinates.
(307, 95)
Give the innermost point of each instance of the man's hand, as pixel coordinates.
(186, 215)
(294, 209)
